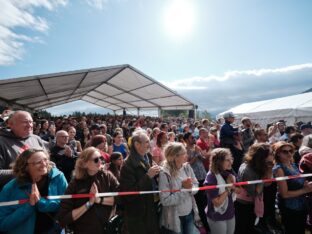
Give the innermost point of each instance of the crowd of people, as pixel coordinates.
(100, 154)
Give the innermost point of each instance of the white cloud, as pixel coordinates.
(20, 13)
(98, 4)
(218, 93)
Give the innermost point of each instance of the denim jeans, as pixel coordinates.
(187, 224)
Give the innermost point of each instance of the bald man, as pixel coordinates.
(62, 155)
(14, 141)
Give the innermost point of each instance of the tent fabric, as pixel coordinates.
(292, 109)
(116, 88)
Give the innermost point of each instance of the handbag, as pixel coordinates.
(56, 229)
(114, 225)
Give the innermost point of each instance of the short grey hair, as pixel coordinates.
(307, 141)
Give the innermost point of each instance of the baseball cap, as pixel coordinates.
(228, 115)
(305, 126)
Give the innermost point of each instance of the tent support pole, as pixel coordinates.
(159, 112)
(195, 112)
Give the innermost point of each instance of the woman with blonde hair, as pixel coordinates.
(36, 177)
(89, 215)
(177, 216)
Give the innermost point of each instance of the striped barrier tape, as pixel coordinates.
(114, 194)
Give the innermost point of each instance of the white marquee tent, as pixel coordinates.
(292, 109)
(117, 88)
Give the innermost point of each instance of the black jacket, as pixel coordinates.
(140, 212)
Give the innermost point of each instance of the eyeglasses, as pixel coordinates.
(98, 159)
(287, 151)
(39, 162)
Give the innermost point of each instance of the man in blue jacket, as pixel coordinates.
(227, 131)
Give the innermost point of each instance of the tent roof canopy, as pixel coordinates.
(116, 88)
(291, 108)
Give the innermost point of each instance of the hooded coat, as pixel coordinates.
(140, 210)
(22, 218)
(11, 147)
(171, 200)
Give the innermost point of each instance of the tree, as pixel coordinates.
(44, 114)
(174, 113)
(204, 115)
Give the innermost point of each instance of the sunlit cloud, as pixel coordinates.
(218, 93)
(205, 82)
(20, 14)
(98, 4)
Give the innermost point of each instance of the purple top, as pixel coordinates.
(213, 193)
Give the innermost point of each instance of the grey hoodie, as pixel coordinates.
(10, 147)
(170, 201)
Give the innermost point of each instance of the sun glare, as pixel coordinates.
(179, 18)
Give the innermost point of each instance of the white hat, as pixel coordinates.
(228, 115)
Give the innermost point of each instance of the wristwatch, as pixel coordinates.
(88, 205)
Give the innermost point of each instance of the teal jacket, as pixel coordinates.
(22, 218)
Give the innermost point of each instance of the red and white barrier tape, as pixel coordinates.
(113, 194)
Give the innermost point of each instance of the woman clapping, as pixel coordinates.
(221, 212)
(36, 177)
(179, 208)
(89, 215)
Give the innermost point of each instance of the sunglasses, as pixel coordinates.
(269, 163)
(287, 151)
(98, 159)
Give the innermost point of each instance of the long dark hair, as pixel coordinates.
(159, 138)
(112, 166)
(256, 156)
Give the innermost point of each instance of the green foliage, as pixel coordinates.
(80, 114)
(204, 115)
(174, 113)
(44, 114)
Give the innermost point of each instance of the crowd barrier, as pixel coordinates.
(114, 194)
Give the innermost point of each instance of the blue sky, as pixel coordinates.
(216, 53)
